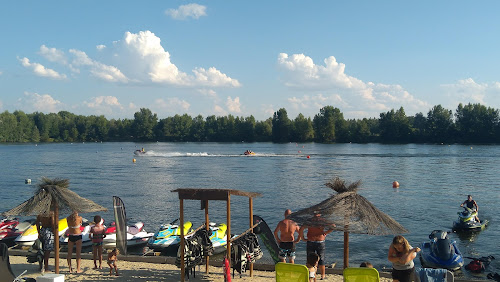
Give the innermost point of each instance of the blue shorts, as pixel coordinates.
(318, 248)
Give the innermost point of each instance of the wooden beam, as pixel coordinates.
(346, 250)
(56, 235)
(181, 225)
(208, 228)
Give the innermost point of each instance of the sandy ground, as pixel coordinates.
(142, 271)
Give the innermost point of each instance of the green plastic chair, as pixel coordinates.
(288, 272)
(361, 274)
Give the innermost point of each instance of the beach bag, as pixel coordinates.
(475, 266)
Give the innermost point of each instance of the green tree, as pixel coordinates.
(143, 126)
(395, 127)
(302, 129)
(476, 123)
(330, 126)
(439, 125)
(281, 126)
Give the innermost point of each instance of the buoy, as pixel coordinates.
(308, 157)
(395, 184)
(27, 181)
(133, 160)
(300, 152)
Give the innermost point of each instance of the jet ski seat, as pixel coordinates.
(136, 228)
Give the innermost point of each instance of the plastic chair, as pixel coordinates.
(289, 272)
(435, 275)
(361, 274)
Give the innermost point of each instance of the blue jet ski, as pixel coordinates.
(168, 237)
(441, 252)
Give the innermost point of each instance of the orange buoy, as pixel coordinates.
(395, 184)
(308, 157)
(300, 152)
(133, 160)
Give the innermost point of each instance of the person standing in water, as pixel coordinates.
(75, 238)
(285, 237)
(471, 204)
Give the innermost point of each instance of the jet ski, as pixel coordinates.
(249, 153)
(139, 152)
(28, 237)
(218, 237)
(441, 252)
(467, 221)
(11, 228)
(136, 235)
(168, 237)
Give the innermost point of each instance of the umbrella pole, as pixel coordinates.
(56, 237)
(346, 249)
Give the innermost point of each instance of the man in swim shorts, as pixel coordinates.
(316, 239)
(284, 234)
(44, 226)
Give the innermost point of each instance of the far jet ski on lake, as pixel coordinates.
(467, 221)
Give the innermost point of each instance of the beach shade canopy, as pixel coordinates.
(54, 195)
(350, 212)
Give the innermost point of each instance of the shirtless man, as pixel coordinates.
(284, 234)
(44, 226)
(316, 242)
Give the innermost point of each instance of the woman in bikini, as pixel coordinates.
(75, 238)
(97, 235)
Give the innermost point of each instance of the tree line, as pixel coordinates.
(471, 123)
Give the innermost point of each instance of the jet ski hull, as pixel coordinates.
(429, 259)
(470, 225)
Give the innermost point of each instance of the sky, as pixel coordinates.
(245, 58)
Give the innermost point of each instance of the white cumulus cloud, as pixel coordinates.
(192, 10)
(40, 70)
(53, 54)
(171, 105)
(100, 47)
(34, 102)
(328, 84)
(104, 105)
(97, 69)
(219, 111)
(469, 91)
(233, 105)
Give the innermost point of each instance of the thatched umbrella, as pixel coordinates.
(350, 212)
(54, 195)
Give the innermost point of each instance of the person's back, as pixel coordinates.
(285, 237)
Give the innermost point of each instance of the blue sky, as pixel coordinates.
(247, 57)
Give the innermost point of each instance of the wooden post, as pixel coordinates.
(181, 225)
(346, 249)
(56, 236)
(228, 233)
(208, 228)
(250, 212)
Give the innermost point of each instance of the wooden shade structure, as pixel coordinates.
(205, 195)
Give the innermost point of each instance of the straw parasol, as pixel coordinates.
(54, 195)
(350, 212)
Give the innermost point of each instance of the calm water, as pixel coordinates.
(434, 181)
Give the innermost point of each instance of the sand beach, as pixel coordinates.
(137, 268)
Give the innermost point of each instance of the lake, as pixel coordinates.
(434, 179)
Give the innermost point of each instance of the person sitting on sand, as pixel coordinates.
(112, 258)
(44, 227)
(401, 254)
(471, 204)
(97, 234)
(312, 265)
(284, 234)
(75, 238)
(366, 264)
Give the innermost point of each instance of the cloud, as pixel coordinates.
(171, 105)
(207, 92)
(192, 10)
(143, 58)
(97, 69)
(53, 54)
(219, 111)
(40, 70)
(328, 84)
(34, 102)
(100, 47)
(233, 106)
(469, 91)
(104, 104)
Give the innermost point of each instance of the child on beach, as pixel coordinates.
(312, 265)
(97, 234)
(112, 258)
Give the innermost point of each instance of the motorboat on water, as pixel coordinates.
(441, 252)
(136, 236)
(168, 237)
(467, 221)
(249, 153)
(28, 237)
(11, 228)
